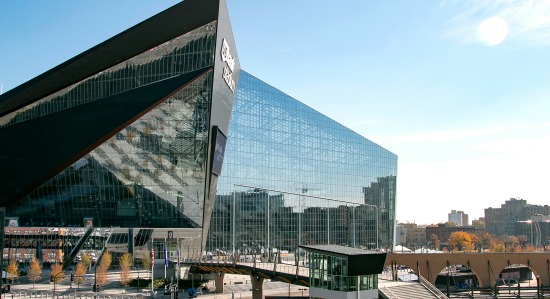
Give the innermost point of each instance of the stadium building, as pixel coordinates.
(156, 139)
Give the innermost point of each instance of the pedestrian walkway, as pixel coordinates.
(237, 286)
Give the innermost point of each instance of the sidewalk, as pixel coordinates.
(238, 284)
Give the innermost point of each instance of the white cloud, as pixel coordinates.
(525, 146)
(528, 21)
(457, 134)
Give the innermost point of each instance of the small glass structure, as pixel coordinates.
(342, 269)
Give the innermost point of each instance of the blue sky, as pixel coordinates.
(457, 89)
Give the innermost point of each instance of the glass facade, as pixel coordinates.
(293, 176)
(147, 182)
(331, 273)
(290, 175)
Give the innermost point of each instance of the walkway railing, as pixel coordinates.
(423, 281)
(45, 295)
(275, 268)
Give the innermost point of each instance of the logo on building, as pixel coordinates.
(230, 65)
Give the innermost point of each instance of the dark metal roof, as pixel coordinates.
(360, 261)
(34, 151)
(169, 24)
(337, 250)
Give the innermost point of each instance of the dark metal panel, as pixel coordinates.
(366, 264)
(173, 22)
(223, 96)
(360, 262)
(34, 151)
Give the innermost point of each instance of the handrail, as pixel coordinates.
(430, 287)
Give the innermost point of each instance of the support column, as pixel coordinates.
(218, 281)
(257, 286)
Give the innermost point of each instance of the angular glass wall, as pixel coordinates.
(151, 174)
(184, 54)
(294, 176)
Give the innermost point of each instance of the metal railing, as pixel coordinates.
(430, 287)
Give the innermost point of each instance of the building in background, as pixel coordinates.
(502, 221)
(416, 236)
(120, 148)
(400, 235)
(459, 218)
(412, 235)
(536, 229)
(442, 232)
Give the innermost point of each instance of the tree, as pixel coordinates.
(145, 261)
(12, 270)
(474, 242)
(512, 244)
(496, 245)
(106, 260)
(529, 248)
(522, 239)
(460, 240)
(101, 275)
(125, 262)
(86, 260)
(57, 272)
(104, 264)
(79, 272)
(35, 271)
(484, 239)
(435, 241)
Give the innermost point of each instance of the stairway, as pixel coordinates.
(411, 290)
